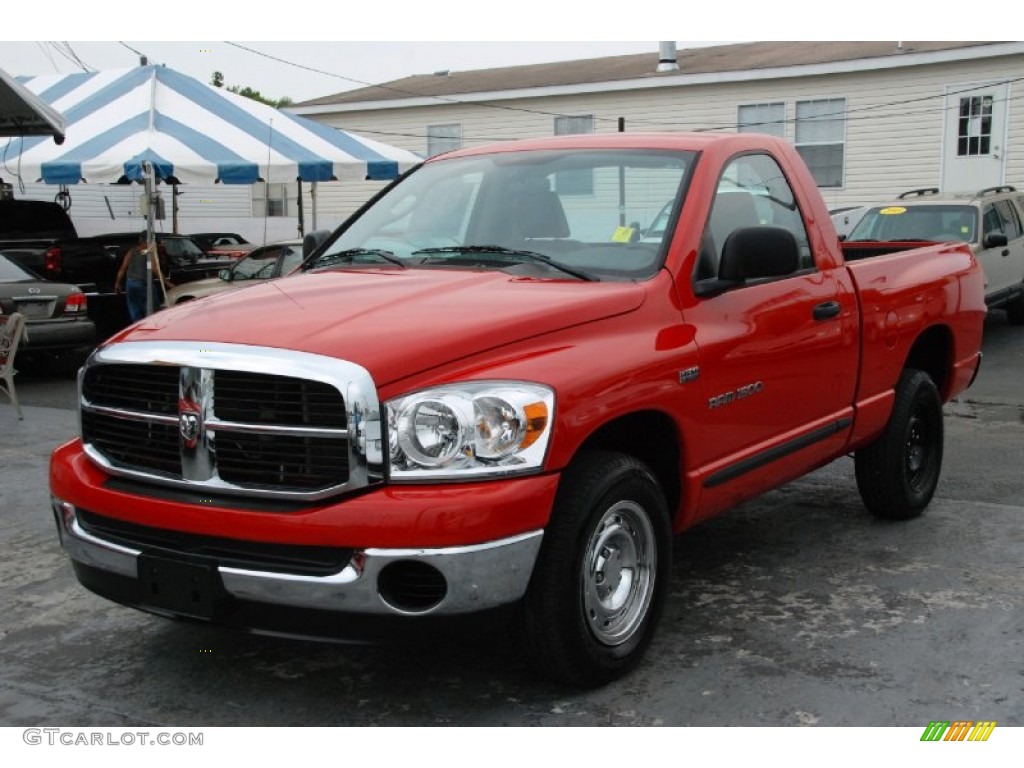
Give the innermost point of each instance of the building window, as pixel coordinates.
(579, 182)
(821, 138)
(762, 118)
(974, 132)
(443, 138)
(269, 199)
(568, 124)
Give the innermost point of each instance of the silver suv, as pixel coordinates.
(991, 220)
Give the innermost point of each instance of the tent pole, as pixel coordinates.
(174, 208)
(312, 195)
(147, 168)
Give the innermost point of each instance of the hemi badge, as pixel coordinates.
(690, 374)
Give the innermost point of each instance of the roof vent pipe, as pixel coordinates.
(667, 57)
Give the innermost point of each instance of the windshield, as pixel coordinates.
(181, 248)
(262, 264)
(937, 223)
(571, 214)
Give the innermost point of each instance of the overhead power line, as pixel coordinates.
(401, 91)
(140, 54)
(64, 49)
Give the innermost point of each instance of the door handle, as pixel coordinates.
(827, 310)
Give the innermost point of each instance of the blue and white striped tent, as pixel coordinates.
(193, 133)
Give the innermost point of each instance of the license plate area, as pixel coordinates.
(35, 308)
(188, 589)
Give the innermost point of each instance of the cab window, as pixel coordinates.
(752, 192)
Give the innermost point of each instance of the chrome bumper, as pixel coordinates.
(478, 577)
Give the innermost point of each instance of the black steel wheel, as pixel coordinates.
(898, 473)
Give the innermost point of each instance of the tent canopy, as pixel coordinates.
(22, 113)
(191, 132)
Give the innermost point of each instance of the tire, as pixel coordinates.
(1015, 310)
(898, 473)
(600, 580)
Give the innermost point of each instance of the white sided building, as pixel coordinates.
(872, 119)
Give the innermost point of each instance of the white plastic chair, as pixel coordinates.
(12, 328)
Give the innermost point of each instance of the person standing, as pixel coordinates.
(131, 278)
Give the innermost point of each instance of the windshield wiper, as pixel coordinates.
(502, 251)
(350, 254)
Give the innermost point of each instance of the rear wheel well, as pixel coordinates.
(651, 437)
(932, 353)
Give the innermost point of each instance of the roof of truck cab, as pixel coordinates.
(679, 141)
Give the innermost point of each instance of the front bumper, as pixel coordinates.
(375, 581)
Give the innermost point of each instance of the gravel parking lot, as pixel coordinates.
(796, 609)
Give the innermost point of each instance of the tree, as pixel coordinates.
(251, 93)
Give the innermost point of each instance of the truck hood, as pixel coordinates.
(395, 323)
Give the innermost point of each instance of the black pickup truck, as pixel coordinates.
(40, 236)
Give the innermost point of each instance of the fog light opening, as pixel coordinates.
(411, 586)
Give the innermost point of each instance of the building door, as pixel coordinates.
(975, 137)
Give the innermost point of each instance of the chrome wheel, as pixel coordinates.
(619, 567)
(599, 584)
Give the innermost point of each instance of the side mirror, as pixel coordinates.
(314, 240)
(996, 240)
(754, 252)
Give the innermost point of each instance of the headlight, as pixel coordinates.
(473, 429)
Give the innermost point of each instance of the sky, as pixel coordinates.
(383, 40)
(353, 64)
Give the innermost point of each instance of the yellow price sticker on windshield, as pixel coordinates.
(623, 235)
(893, 211)
(965, 230)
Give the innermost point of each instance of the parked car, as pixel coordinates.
(184, 260)
(223, 245)
(40, 236)
(268, 262)
(208, 240)
(56, 317)
(845, 218)
(991, 221)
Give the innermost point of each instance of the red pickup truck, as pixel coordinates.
(503, 386)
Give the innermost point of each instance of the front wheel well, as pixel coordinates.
(651, 437)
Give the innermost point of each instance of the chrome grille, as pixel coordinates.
(148, 446)
(261, 461)
(266, 399)
(143, 388)
(231, 419)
